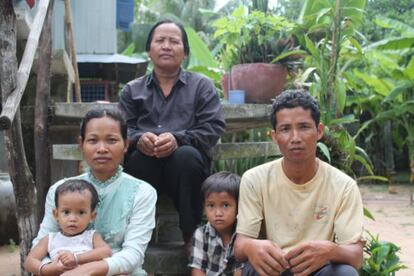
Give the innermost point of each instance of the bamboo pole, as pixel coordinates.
(12, 102)
(72, 46)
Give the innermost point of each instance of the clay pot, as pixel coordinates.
(261, 82)
(8, 221)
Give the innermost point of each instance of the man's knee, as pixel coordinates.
(248, 270)
(336, 270)
(344, 270)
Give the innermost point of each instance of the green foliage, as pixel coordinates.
(381, 259)
(255, 36)
(368, 214)
(201, 60)
(241, 165)
(401, 10)
(384, 87)
(187, 12)
(328, 33)
(12, 247)
(289, 8)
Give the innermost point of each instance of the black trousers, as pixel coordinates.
(327, 270)
(180, 176)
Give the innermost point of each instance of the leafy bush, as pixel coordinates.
(255, 37)
(381, 258)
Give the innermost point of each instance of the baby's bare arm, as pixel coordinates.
(36, 255)
(100, 251)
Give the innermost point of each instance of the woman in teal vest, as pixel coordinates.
(126, 212)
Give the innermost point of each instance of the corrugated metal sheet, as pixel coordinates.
(94, 23)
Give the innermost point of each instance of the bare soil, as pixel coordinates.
(392, 208)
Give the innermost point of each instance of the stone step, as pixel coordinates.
(166, 259)
(221, 151)
(238, 116)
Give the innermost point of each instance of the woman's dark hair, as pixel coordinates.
(77, 185)
(292, 99)
(184, 36)
(221, 182)
(100, 113)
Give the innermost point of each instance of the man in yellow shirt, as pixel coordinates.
(311, 213)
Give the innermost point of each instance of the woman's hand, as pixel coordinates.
(146, 143)
(92, 268)
(165, 145)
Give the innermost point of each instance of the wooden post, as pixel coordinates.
(20, 174)
(72, 46)
(12, 102)
(41, 128)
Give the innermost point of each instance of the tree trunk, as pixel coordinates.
(23, 187)
(41, 133)
(388, 149)
(19, 171)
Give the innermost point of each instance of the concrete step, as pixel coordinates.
(238, 116)
(221, 151)
(166, 259)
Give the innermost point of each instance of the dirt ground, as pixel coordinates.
(394, 221)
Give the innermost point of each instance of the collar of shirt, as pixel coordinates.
(213, 234)
(152, 78)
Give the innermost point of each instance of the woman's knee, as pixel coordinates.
(186, 151)
(187, 157)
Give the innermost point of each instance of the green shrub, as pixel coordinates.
(381, 258)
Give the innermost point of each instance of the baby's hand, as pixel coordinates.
(68, 259)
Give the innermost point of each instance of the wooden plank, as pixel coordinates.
(220, 151)
(12, 102)
(238, 116)
(41, 128)
(78, 110)
(72, 48)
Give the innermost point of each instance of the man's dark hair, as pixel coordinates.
(292, 99)
(221, 182)
(100, 113)
(184, 36)
(77, 185)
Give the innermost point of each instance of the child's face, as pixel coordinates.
(221, 211)
(74, 212)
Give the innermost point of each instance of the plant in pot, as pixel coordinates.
(258, 51)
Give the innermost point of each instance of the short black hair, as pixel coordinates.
(184, 36)
(292, 99)
(77, 185)
(221, 182)
(100, 113)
